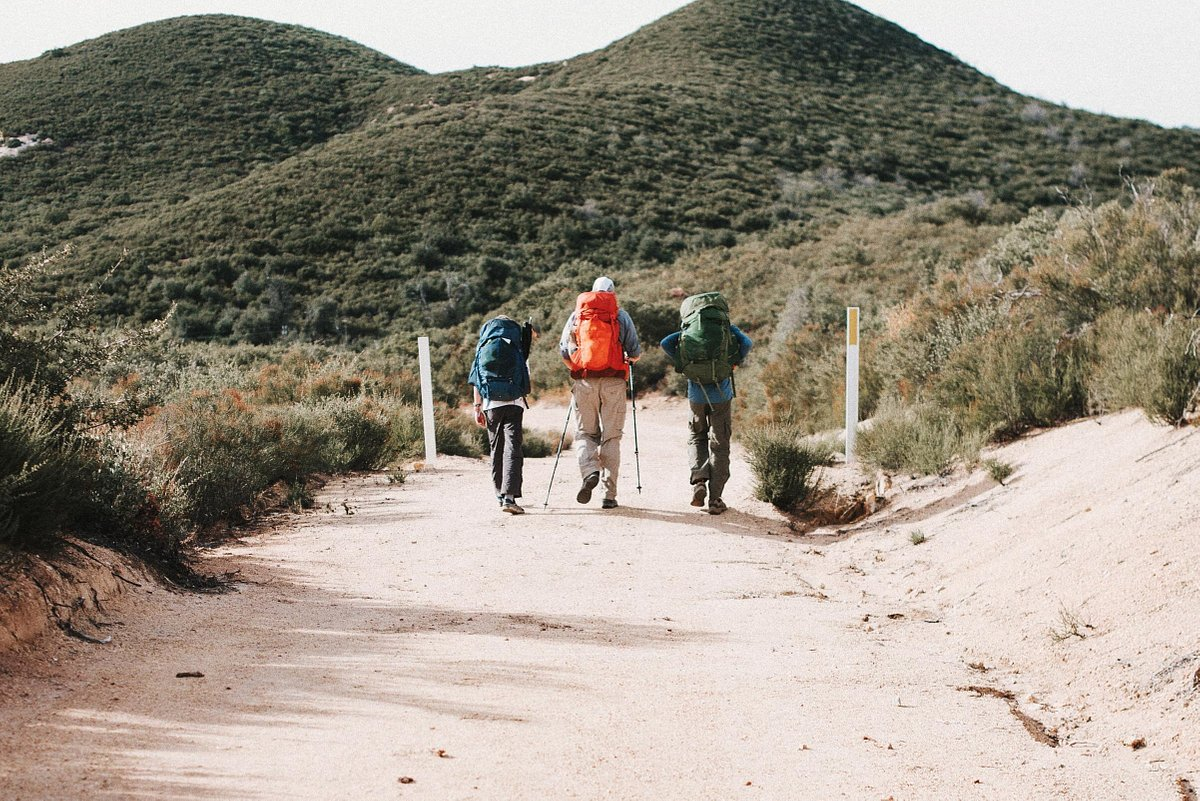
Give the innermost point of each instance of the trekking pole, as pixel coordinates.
(561, 440)
(633, 402)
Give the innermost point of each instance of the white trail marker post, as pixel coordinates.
(851, 381)
(427, 400)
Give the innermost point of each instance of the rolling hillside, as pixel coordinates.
(155, 114)
(415, 201)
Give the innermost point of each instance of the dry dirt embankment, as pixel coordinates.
(413, 632)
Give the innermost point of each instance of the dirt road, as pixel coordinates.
(411, 642)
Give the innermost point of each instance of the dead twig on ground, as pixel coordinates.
(1037, 730)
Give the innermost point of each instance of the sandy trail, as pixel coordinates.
(651, 653)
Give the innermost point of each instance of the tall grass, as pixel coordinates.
(39, 467)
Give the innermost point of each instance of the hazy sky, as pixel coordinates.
(1132, 58)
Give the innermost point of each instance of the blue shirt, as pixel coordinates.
(721, 392)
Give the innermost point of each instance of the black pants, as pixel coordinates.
(504, 438)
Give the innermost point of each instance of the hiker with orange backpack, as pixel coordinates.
(598, 344)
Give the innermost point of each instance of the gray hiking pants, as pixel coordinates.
(504, 438)
(600, 421)
(711, 428)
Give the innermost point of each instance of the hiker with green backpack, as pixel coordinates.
(500, 380)
(707, 349)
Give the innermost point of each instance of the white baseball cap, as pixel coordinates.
(604, 284)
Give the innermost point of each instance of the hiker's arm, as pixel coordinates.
(477, 400)
(670, 344)
(566, 341)
(629, 337)
(744, 344)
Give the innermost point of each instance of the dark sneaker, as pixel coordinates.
(512, 508)
(716, 506)
(500, 500)
(698, 493)
(609, 503)
(589, 484)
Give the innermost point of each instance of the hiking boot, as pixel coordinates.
(609, 503)
(698, 493)
(716, 506)
(589, 484)
(511, 507)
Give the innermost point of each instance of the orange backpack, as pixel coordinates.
(597, 337)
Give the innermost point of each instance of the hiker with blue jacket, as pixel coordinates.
(707, 349)
(500, 381)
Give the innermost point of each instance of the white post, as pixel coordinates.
(427, 400)
(851, 381)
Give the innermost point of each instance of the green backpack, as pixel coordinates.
(705, 353)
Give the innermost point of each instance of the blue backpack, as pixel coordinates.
(499, 370)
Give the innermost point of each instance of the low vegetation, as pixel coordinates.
(999, 470)
(1094, 313)
(786, 465)
(125, 439)
(917, 438)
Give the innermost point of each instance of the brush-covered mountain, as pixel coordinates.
(273, 182)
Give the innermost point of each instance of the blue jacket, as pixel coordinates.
(711, 393)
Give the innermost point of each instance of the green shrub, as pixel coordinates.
(1147, 362)
(221, 451)
(299, 440)
(133, 501)
(1014, 377)
(406, 432)
(1142, 254)
(540, 444)
(998, 470)
(457, 434)
(805, 384)
(785, 465)
(39, 469)
(919, 438)
(651, 369)
(362, 427)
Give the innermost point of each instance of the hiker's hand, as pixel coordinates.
(480, 419)
(632, 359)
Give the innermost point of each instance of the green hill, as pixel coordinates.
(158, 113)
(415, 201)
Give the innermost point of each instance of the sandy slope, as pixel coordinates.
(656, 652)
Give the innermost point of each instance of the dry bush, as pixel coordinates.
(917, 438)
(1026, 373)
(1144, 360)
(39, 469)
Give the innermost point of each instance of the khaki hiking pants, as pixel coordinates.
(599, 423)
(709, 431)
